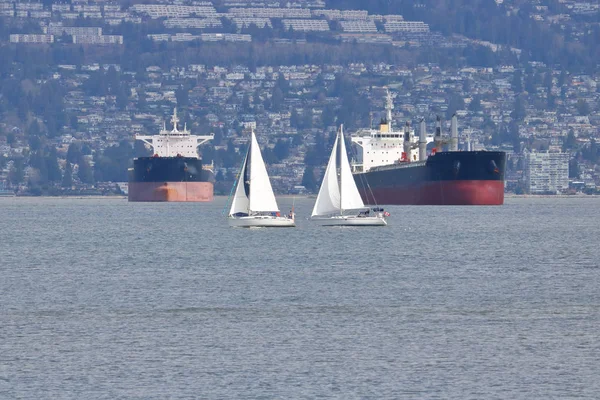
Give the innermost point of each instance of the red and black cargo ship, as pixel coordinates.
(445, 178)
(396, 167)
(175, 172)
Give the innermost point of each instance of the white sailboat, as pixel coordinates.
(254, 203)
(339, 202)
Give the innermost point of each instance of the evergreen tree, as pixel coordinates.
(583, 108)
(308, 179)
(570, 141)
(475, 104)
(328, 116)
(122, 98)
(182, 96)
(295, 119)
(16, 173)
(67, 180)
(282, 149)
(517, 85)
(519, 112)
(277, 98)
(52, 167)
(85, 172)
(573, 169)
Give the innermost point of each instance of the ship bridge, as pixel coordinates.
(386, 146)
(174, 143)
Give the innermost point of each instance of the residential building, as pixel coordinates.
(546, 172)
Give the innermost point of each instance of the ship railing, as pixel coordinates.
(209, 167)
(356, 167)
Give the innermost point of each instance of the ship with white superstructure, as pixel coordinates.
(175, 171)
(398, 167)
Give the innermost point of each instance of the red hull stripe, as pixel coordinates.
(472, 192)
(171, 191)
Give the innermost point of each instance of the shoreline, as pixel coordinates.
(309, 196)
(550, 196)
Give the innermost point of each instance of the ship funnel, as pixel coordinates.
(454, 134)
(422, 141)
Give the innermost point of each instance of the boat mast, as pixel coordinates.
(341, 137)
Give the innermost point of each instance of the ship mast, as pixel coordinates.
(389, 106)
(174, 120)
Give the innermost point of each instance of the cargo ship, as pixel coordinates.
(396, 167)
(175, 171)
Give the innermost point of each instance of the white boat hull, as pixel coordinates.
(261, 222)
(350, 220)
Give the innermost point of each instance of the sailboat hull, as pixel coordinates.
(261, 222)
(350, 220)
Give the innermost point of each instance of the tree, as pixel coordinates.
(52, 167)
(277, 98)
(122, 98)
(38, 162)
(530, 83)
(573, 169)
(475, 104)
(74, 153)
(328, 116)
(282, 149)
(570, 141)
(519, 112)
(67, 180)
(308, 179)
(517, 85)
(182, 96)
(85, 172)
(455, 103)
(16, 173)
(295, 119)
(583, 108)
(282, 83)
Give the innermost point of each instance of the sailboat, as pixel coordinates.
(339, 202)
(254, 203)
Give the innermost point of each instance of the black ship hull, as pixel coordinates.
(170, 179)
(446, 178)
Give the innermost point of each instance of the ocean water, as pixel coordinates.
(104, 299)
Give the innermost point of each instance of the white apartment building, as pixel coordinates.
(55, 29)
(306, 25)
(270, 12)
(546, 172)
(244, 22)
(197, 23)
(100, 39)
(359, 26)
(173, 11)
(30, 38)
(406, 26)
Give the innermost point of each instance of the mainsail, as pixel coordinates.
(261, 196)
(350, 197)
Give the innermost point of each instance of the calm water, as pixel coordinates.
(103, 299)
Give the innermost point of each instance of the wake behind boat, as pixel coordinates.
(254, 203)
(339, 203)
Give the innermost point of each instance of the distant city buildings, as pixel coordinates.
(546, 172)
(31, 38)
